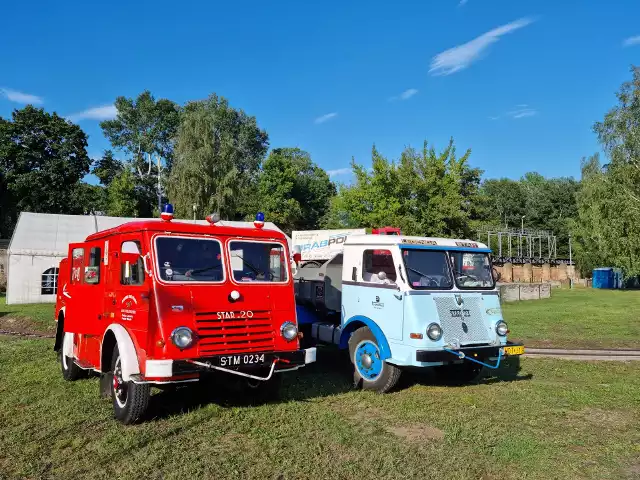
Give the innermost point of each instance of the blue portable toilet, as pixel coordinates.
(603, 277)
(618, 278)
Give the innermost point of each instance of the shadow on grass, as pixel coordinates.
(330, 375)
(509, 371)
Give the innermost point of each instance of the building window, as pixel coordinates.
(49, 285)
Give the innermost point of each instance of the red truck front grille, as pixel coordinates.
(230, 335)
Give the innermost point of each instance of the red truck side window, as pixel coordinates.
(77, 265)
(131, 263)
(92, 271)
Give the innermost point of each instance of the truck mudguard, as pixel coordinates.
(128, 355)
(358, 321)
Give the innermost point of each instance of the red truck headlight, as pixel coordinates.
(289, 331)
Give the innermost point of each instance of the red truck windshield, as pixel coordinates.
(258, 261)
(185, 259)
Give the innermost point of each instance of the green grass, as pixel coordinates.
(578, 318)
(38, 317)
(554, 420)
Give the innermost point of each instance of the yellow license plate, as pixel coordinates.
(514, 350)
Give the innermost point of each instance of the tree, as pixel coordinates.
(293, 192)
(607, 229)
(107, 168)
(217, 156)
(43, 157)
(90, 199)
(424, 193)
(142, 127)
(122, 195)
(546, 204)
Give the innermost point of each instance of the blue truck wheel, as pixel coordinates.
(370, 372)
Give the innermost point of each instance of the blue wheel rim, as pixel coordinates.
(367, 360)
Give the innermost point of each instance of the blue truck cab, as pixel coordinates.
(398, 301)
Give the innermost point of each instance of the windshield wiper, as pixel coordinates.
(204, 269)
(418, 272)
(252, 267)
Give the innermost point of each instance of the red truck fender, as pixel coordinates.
(117, 334)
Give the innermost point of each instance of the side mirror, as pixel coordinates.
(382, 275)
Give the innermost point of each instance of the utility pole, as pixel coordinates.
(570, 264)
(195, 208)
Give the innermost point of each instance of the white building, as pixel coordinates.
(41, 240)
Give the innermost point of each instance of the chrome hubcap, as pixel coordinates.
(119, 386)
(366, 360)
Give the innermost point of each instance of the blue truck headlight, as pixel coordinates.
(434, 332)
(289, 331)
(501, 328)
(182, 337)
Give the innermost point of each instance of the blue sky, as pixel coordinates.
(519, 82)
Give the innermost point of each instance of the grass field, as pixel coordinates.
(554, 420)
(27, 318)
(578, 318)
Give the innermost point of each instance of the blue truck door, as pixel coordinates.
(378, 296)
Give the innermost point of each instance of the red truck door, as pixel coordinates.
(85, 294)
(130, 292)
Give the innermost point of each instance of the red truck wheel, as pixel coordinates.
(70, 371)
(130, 400)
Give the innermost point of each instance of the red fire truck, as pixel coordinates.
(155, 302)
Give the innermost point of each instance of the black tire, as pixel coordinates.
(70, 371)
(130, 400)
(263, 391)
(383, 378)
(458, 373)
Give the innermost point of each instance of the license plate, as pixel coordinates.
(514, 350)
(242, 360)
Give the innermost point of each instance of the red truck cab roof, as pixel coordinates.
(186, 227)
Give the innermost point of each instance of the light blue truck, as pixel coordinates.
(397, 302)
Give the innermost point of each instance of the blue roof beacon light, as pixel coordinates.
(167, 213)
(259, 221)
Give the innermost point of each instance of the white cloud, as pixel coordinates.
(629, 42)
(106, 112)
(338, 172)
(406, 95)
(460, 57)
(326, 117)
(19, 97)
(462, 3)
(522, 111)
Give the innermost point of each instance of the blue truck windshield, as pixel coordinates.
(427, 269)
(472, 270)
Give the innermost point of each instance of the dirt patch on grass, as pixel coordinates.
(417, 433)
(368, 414)
(633, 471)
(24, 326)
(604, 418)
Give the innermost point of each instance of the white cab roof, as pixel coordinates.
(418, 241)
